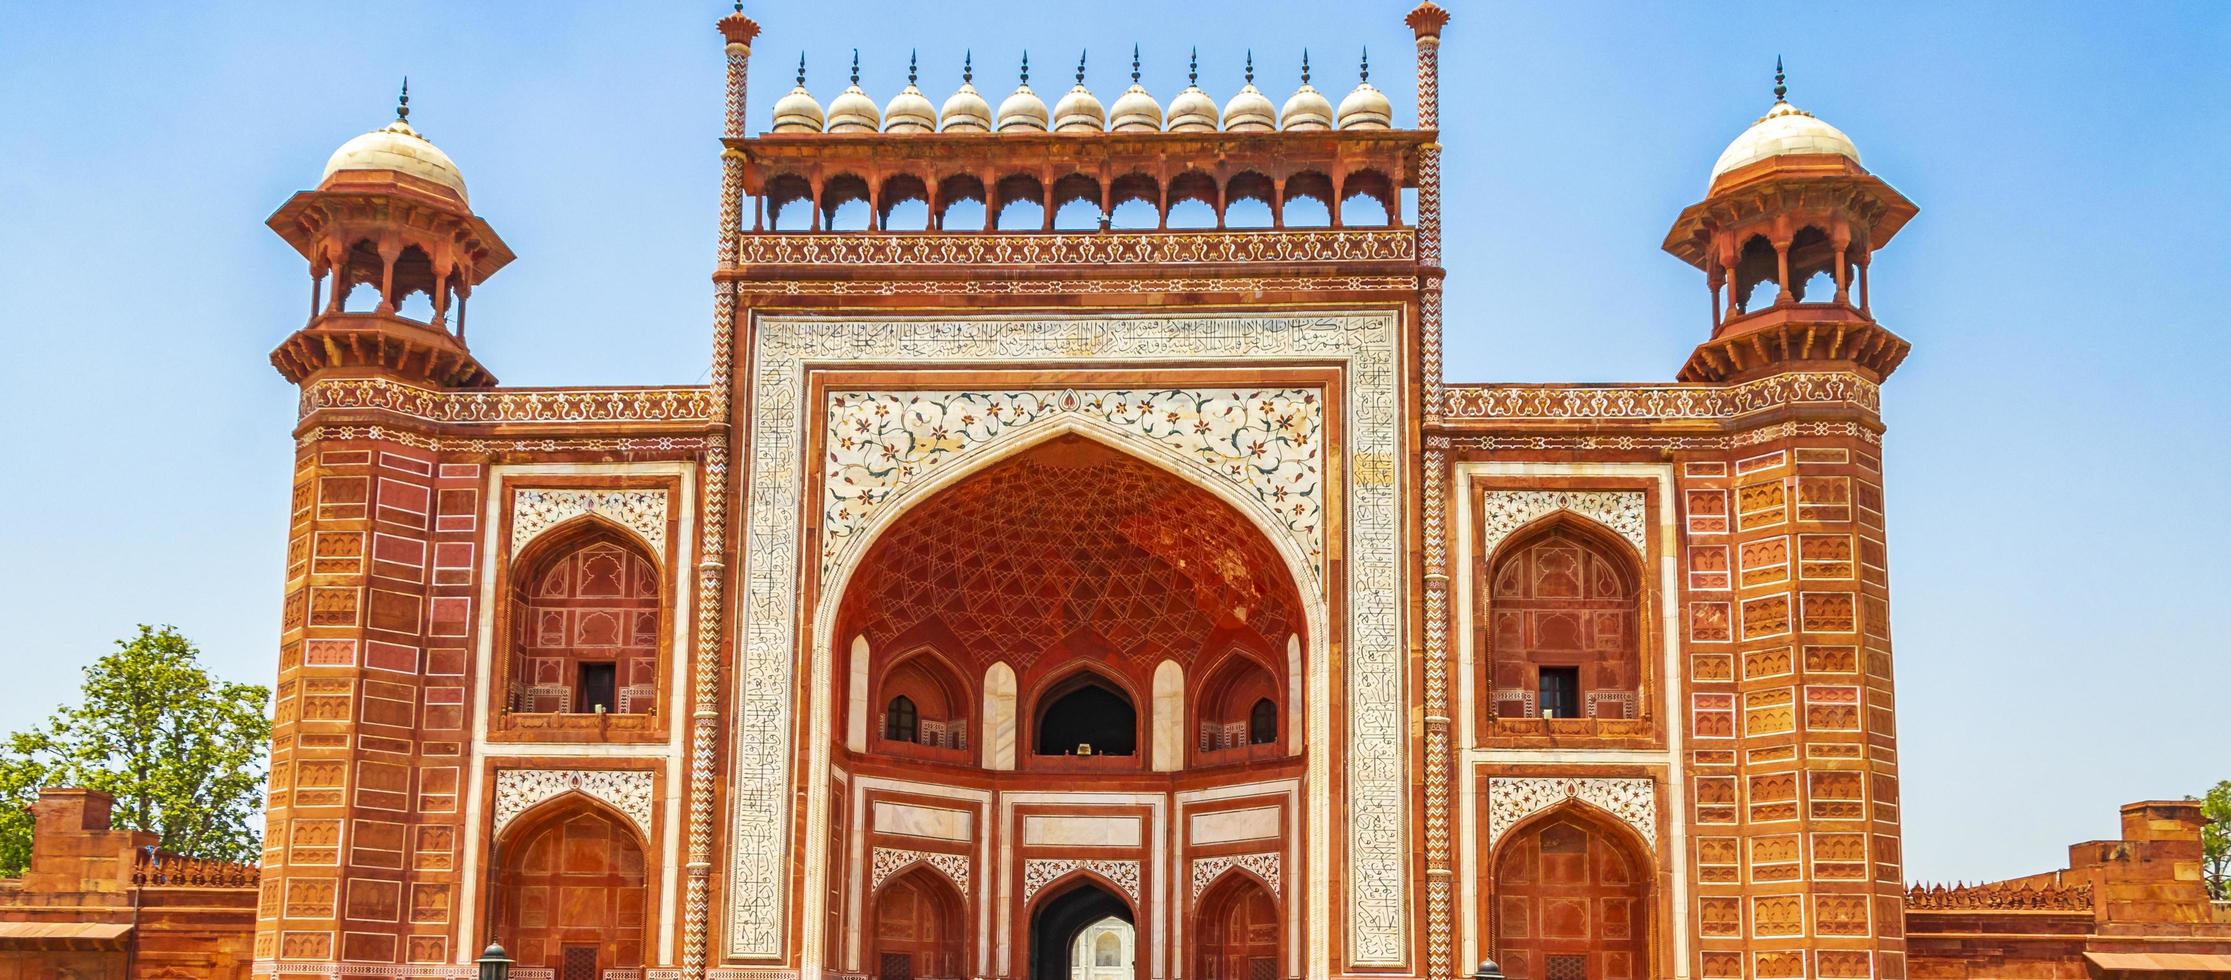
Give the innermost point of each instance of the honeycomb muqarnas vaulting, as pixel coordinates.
(1057, 579)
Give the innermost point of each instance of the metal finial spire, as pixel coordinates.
(855, 66)
(1250, 66)
(1366, 63)
(403, 102)
(912, 66)
(968, 67)
(1081, 66)
(1305, 66)
(801, 69)
(1134, 64)
(1781, 91)
(739, 6)
(1193, 69)
(1026, 68)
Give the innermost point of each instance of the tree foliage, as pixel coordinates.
(180, 750)
(2215, 839)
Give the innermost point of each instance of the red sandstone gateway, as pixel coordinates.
(1047, 585)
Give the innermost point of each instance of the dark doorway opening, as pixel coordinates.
(1087, 710)
(1056, 922)
(597, 687)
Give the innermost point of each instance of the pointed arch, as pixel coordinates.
(1565, 608)
(580, 848)
(1573, 890)
(1237, 928)
(919, 925)
(585, 620)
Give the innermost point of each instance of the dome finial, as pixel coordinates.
(1781, 91)
(1250, 66)
(1081, 65)
(403, 102)
(855, 66)
(1305, 66)
(1366, 69)
(913, 63)
(968, 67)
(801, 69)
(1026, 67)
(1134, 64)
(1193, 68)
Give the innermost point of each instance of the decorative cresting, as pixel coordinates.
(513, 407)
(1097, 248)
(888, 861)
(1040, 872)
(1511, 800)
(627, 791)
(1668, 402)
(536, 511)
(2000, 896)
(1503, 512)
(1265, 866)
(1373, 851)
(1267, 442)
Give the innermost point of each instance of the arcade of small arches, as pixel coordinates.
(1768, 272)
(1159, 198)
(1072, 609)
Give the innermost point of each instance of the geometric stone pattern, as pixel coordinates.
(1510, 800)
(563, 406)
(627, 791)
(1016, 557)
(1662, 403)
(1267, 442)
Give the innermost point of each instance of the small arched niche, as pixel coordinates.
(571, 890)
(1238, 711)
(1560, 863)
(585, 617)
(1563, 614)
(922, 702)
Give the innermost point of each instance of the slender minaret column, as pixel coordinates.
(1426, 21)
(738, 31)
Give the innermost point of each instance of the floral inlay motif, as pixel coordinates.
(627, 790)
(1511, 800)
(1268, 443)
(536, 511)
(1505, 511)
(1207, 870)
(1040, 872)
(888, 861)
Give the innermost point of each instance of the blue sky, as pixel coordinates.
(2056, 456)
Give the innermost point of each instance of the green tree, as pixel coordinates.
(2215, 839)
(180, 750)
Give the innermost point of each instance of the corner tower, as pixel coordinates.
(1790, 206)
(389, 212)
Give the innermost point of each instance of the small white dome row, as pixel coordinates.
(852, 111)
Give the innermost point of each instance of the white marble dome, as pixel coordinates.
(1023, 110)
(798, 111)
(1784, 130)
(397, 148)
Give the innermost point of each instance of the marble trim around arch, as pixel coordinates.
(1267, 442)
(1372, 852)
(535, 511)
(1504, 512)
(888, 861)
(629, 791)
(1040, 872)
(1511, 799)
(1265, 866)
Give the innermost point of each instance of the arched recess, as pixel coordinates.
(1236, 932)
(1084, 713)
(1230, 703)
(571, 891)
(584, 620)
(1571, 895)
(1563, 624)
(1066, 551)
(1060, 913)
(918, 929)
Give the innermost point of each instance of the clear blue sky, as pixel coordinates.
(2056, 455)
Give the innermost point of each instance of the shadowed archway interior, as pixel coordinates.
(1058, 919)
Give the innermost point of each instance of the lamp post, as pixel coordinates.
(496, 965)
(1487, 971)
